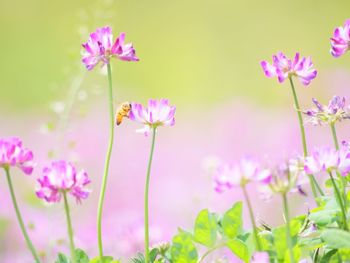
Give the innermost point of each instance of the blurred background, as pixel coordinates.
(202, 55)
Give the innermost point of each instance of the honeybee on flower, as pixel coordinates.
(122, 112)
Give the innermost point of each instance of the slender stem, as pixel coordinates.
(106, 168)
(70, 228)
(338, 196)
(146, 196)
(343, 180)
(19, 217)
(313, 182)
(252, 218)
(289, 237)
(210, 251)
(335, 138)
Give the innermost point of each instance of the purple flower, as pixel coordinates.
(322, 160)
(227, 176)
(100, 48)
(340, 41)
(284, 68)
(12, 153)
(260, 257)
(158, 113)
(323, 114)
(284, 178)
(61, 177)
(328, 159)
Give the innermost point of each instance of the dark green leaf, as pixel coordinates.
(81, 256)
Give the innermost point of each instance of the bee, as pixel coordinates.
(123, 111)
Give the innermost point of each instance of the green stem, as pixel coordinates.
(70, 228)
(289, 237)
(106, 167)
(146, 196)
(19, 217)
(335, 138)
(210, 251)
(338, 196)
(342, 178)
(313, 182)
(252, 218)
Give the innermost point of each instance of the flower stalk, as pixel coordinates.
(340, 202)
(288, 232)
(313, 182)
(19, 217)
(252, 219)
(69, 228)
(146, 195)
(106, 167)
(343, 180)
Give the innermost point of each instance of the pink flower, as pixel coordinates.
(284, 68)
(340, 41)
(284, 178)
(322, 160)
(61, 177)
(328, 114)
(12, 153)
(100, 48)
(158, 113)
(260, 257)
(239, 174)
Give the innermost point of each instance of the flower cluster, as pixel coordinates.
(158, 113)
(284, 68)
(61, 177)
(12, 153)
(327, 160)
(340, 41)
(285, 178)
(227, 176)
(328, 114)
(100, 48)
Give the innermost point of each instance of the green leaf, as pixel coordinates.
(153, 254)
(205, 228)
(182, 249)
(336, 238)
(239, 248)
(106, 259)
(232, 221)
(81, 256)
(327, 257)
(62, 258)
(280, 238)
(296, 254)
(323, 217)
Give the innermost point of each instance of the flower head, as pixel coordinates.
(340, 41)
(12, 153)
(59, 177)
(100, 48)
(323, 114)
(322, 160)
(227, 176)
(158, 113)
(284, 68)
(284, 178)
(328, 159)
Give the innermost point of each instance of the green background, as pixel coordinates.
(197, 53)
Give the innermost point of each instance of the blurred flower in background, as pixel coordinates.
(226, 109)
